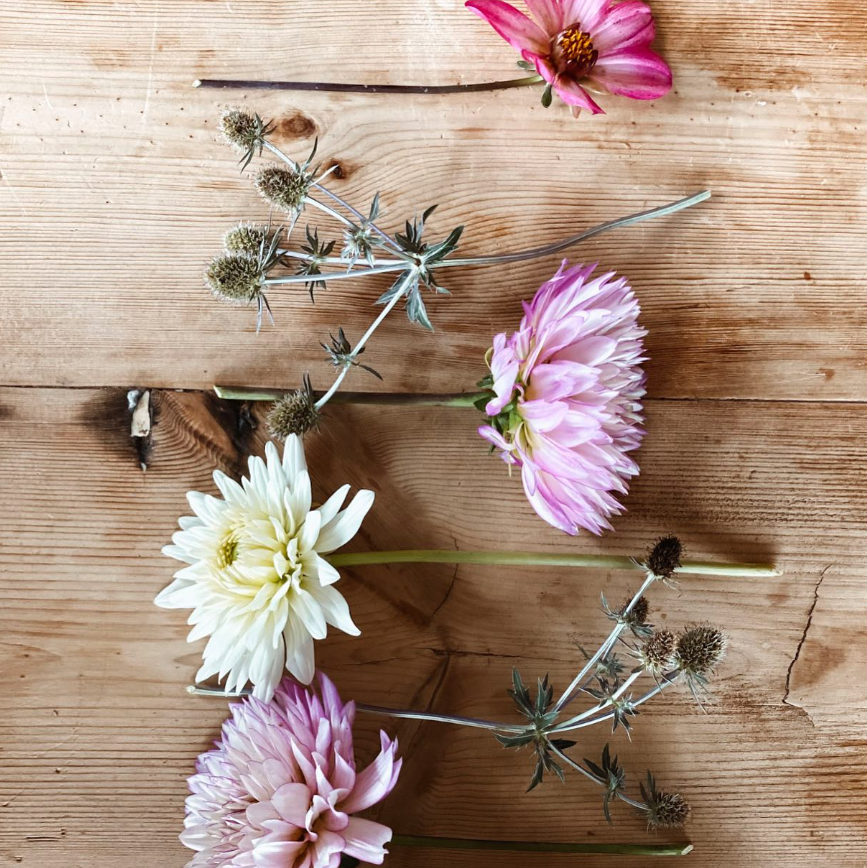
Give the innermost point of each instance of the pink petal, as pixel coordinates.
(545, 69)
(493, 436)
(587, 13)
(366, 840)
(626, 25)
(515, 27)
(639, 74)
(573, 94)
(373, 784)
(549, 13)
(277, 854)
(543, 416)
(292, 802)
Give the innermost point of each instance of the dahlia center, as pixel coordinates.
(227, 551)
(576, 52)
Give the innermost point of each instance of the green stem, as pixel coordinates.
(505, 558)
(542, 847)
(241, 393)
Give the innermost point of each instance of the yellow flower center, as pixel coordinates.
(228, 550)
(576, 49)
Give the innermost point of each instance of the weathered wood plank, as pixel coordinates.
(114, 184)
(98, 734)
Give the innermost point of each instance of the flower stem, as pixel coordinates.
(242, 393)
(569, 693)
(548, 249)
(581, 720)
(334, 275)
(360, 345)
(390, 242)
(506, 558)
(339, 87)
(407, 714)
(542, 847)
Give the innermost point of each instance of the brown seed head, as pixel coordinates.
(700, 648)
(294, 413)
(664, 557)
(667, 811)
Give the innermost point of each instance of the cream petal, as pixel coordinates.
(335, 608)
(345, 524)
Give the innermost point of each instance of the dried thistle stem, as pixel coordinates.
(340, 87)
(571, 691)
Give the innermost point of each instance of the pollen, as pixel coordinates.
(577, 47)
(228, 551)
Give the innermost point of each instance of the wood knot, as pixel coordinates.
(338, 169)
(297, 126)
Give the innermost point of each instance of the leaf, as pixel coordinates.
(547, 97)
(563, 743)
(415, 308)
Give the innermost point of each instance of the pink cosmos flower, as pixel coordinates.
(567, 397)
(581, 45)
(280, 789)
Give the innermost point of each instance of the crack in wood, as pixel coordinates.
(803, 639)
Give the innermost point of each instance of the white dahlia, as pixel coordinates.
(256, 578)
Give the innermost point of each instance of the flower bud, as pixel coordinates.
(664, 557)
(294, 413)
(283, 187)
(236, 278)
(245, 238)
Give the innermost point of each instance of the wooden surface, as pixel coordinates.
(114, 194)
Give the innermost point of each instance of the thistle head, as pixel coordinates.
(236, 278)
(294, 413)
(656, 655)
(700, 649)
(664, 557)
(284, 187)
(663, 810)
(246, 238)
(635, 619)
(242, 129)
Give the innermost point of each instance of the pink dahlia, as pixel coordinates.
(581, 45)
(280, 789)
(567, 397)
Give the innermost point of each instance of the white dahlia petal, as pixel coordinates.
(254, 575)
(345, 524)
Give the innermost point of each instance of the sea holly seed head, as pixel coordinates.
(283, 187)
(240, 128)
(246, 238)
(635, 619)
(294, 413)
(664, 557)
(663, 810)
(236, 278)
(656, 656)
(700, 648)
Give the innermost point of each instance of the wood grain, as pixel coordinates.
(114, 181)
(114, 194)
(98, 736)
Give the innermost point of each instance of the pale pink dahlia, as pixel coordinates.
(567, 397)
(280, 789)
(581, 45)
